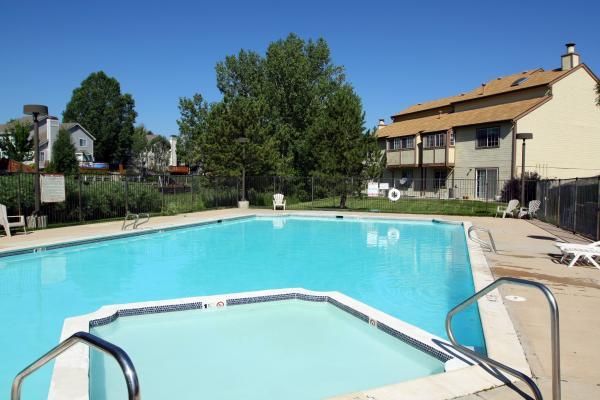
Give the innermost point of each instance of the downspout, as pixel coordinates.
(513, 164)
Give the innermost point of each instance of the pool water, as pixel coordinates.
(415, 271)
(293, 350)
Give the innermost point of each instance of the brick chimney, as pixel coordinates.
(571, 59)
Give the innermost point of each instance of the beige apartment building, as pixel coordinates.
(470, 137)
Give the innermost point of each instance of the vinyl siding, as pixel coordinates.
(566, 130)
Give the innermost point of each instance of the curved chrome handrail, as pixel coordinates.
(554, 333)
(131, 378)
(490, 246)
(133, 224)
(137, 224)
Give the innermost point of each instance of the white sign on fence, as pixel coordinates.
(53, 188)
(384, 186)
(372, 189)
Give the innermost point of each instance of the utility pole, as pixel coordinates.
(36, 110)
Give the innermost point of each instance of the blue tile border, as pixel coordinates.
(145, 310)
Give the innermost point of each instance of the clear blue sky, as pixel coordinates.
(395, 53)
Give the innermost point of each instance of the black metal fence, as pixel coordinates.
(571, 204)
(101, 197)
(108, 196)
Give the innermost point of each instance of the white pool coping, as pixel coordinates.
(70, 375)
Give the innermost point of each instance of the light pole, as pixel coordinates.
(524, 137)
(243, 140)
(36, 110)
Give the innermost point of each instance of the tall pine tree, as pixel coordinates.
(63, 155)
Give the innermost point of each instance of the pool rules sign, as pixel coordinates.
(53, 188)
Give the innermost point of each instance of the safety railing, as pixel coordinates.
(131, 219)
(131, 378)
(137, 223)
(554, 335)
(491, 245)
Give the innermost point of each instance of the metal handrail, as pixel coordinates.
(131, 378)
(554, 333)
(490, 246)
(134, 223)
(137, 224)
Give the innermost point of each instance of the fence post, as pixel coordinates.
(80, 186)
(312, 192)
(575, 207)
(126, 196)
(558, 206)
(20, 174)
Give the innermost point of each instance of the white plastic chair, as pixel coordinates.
(278, 201)
(5, 221)
(534, 206)
(509, 210)
(578, 250)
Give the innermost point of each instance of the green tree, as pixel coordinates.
(63, 155)
(274, 100)
(109, 115)
(15, 141)
(340, 141)
(192, 125)
(159, 147)
(139, 148)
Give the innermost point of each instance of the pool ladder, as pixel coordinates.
(133, 220)
(491, 245)
(131, 377)
(554, 335)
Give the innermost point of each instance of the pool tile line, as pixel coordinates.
(144, 311)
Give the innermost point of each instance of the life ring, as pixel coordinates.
(394, 194)
(220, 304)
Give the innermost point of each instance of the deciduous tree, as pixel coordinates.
(15, 142)
(109, 115)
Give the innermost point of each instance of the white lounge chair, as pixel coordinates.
(509, 210)
(5, 221)
(278, 201)
(534, 206)
(577, 250)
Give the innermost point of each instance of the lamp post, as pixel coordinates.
(243, 140)
(36, 110)
(524, 137)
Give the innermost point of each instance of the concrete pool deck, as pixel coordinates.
(525, 251)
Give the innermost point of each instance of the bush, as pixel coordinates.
(512, 188)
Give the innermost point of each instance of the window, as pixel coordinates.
(488, 137)
(82, 142)
(452, 138)
(440, 179)
(42, 156)
(435, 140)
(407, 142)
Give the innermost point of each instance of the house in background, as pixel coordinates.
(80, 137)
(471, 136)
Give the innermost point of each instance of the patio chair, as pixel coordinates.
(509, 210)
(278, 201)
(534, 206)
(577, 250)
(5, 221)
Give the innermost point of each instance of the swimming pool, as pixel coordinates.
(414, 270)
(291, 349)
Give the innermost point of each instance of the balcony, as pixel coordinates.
(437, 156)
(401, 158)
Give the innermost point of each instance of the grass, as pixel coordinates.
(409, 206)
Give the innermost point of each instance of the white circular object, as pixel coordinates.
(394, 194)
(393, 234)
(515, 298)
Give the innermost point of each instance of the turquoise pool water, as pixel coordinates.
(293, 350)
(415, 271)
